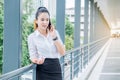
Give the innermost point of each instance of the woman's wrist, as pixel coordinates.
(55, 38)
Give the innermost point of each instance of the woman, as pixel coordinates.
(45, 47)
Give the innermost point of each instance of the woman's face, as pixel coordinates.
(43, 21)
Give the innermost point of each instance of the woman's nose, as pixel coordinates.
(45, 22)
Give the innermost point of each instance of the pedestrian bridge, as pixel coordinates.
(96, 58)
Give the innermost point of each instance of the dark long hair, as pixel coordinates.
(41, 10)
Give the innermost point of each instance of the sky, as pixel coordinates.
(70, 3)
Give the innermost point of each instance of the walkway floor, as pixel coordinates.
(111, 68)
(108, 67)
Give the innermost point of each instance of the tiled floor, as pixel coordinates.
(111, 67)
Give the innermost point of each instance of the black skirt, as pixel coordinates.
(49, 70)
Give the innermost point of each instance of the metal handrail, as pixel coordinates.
(17, 72)
(22, 70)
(74, 62)
(82, 46)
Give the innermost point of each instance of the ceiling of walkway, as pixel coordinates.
(111, 11)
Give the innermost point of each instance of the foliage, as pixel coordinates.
(53, 21)
(68, 42)
(69, 34)
(68, 27)
(28, 7)
(27, 28)
(1, 34)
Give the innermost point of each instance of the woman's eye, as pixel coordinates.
(44, 19)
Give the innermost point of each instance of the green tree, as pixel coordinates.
(69, 34)
(68, 27)
(53, 21)
(1, 33)
(68, 42)
(27, 28)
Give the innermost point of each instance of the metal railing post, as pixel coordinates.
(71, 67)
(34, 72)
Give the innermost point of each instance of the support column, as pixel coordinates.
(77, 35)
(60, 18)
(60, 23)
(91, 20)
(94, 16)
(86, 17)
(95, 21)
(77, 24)
(12, 35)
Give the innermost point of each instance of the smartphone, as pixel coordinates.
(49, 25)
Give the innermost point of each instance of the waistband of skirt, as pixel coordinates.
(51, 58)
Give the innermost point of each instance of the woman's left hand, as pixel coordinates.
(52, 32)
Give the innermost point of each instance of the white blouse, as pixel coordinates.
(41, 46)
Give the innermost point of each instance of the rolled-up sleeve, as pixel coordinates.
(32, 48)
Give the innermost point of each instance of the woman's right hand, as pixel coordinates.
(41, 60)
(38, 61)
(34, 60)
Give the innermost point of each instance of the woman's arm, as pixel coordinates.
(60, 47)
(57, 41)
